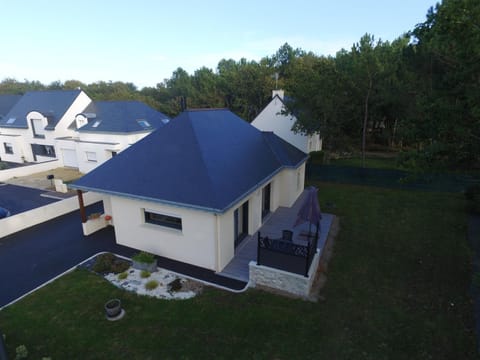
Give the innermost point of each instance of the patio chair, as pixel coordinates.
(287, 235)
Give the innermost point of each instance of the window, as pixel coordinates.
(11, 121)
(163, 220)
(8, 148)
(91, 156)
(38, 129)
(143, 123)
(96, 123)
(42, 150)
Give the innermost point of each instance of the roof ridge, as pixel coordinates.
(202, 156)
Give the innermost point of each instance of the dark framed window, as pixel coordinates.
(8, 148)
(163, 220)
(37, 128)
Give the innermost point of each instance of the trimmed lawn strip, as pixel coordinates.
(397, 289)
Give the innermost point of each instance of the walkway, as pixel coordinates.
(282, 218)
(33, 256)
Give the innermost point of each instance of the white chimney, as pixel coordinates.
(280, 93)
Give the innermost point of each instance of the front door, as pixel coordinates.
(266, 194)
(240, 223)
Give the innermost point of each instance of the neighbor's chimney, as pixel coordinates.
(280, 93)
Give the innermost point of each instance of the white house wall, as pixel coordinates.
(102, 144)
(272, 119)
(194, 244)
(17, 146)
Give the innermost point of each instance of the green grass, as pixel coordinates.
(397, 289)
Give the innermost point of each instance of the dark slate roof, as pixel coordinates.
(204, 159)
(122, 117)
(6, 103)
(52, 104)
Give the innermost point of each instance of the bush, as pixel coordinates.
(144, 257)
(122, 275)
(152, 284)
(119, 266)
(175, 285)
(103, 262)
(144, 274)
(317, 157)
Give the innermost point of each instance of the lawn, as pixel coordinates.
(375, 162)
(397, 289)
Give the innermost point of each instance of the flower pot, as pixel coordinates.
(113, 308)
(150, 267)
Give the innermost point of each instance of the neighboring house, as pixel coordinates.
(29, 129)
(192, 191)
(272, 119)
(6, 103)
(104, 128)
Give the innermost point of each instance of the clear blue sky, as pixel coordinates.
(144, 41)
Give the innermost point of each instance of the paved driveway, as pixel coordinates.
(18, 199)
(33, 256)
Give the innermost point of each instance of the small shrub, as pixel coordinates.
(119, 266)
(103, 262)
(175, 285)
(144, 257)
(152, 284)
(95, 215)
(144, 274)
(21, 352)
(122, 275)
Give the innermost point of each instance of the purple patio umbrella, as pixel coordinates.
(309, 209)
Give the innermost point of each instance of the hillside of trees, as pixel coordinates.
(419, 93)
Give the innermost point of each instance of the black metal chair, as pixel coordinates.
(287, 235)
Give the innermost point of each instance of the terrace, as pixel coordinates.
(282, 219)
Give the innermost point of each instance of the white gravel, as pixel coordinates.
(134, 282)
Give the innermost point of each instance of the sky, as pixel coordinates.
(144, 41)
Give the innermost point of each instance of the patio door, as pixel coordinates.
(266, 195)
(240, 220)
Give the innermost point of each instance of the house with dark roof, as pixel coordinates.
(273, 118)
(105, 128)
(6, 103)
(29, 129)
(194, 189)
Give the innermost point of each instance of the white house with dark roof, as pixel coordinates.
(273, 118)
(192, 191)
(105, 128)
(28, 131)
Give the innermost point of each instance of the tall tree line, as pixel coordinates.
(419, 93)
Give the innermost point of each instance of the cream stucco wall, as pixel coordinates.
(194, 244)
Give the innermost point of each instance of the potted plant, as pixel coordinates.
(113, 308)
(144, 261)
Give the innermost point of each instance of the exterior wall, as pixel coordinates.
(284, 192)
(15, 223)
(282, 280)
(194, 244)
(271, 119)
(28, 169)
(18, 148)
(102, 145)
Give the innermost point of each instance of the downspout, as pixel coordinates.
(217, 240)
(83, 215)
